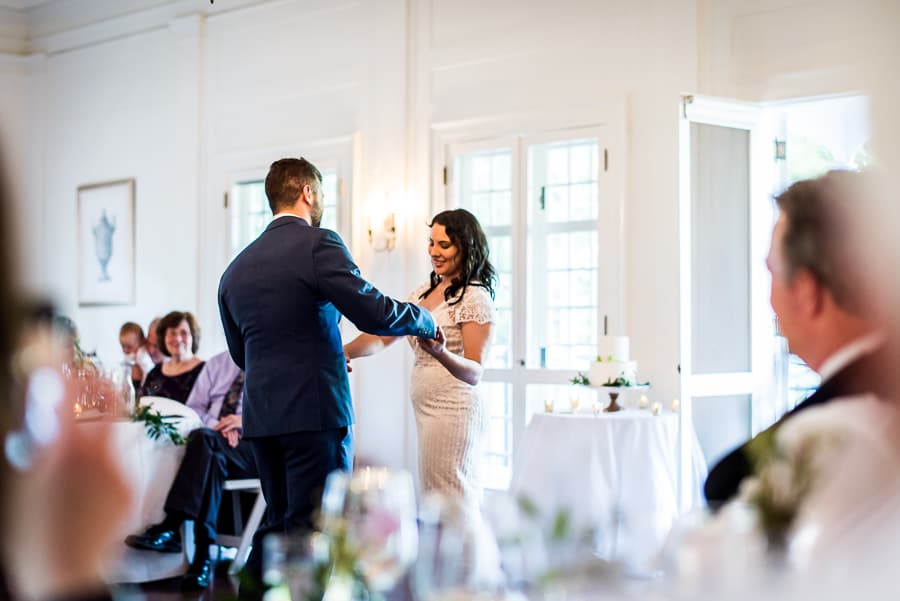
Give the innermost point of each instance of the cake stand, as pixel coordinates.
(615, 391)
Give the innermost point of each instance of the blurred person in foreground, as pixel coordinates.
(48, 551)
(819, 290)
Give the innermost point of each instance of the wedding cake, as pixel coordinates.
(613, 363)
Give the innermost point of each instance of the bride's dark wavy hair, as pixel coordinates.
(466, 234)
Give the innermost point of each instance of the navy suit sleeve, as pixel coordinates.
(371, 311)
(232, 332)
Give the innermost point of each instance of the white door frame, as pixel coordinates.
(756, 382)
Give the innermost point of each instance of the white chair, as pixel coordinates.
(243, 540)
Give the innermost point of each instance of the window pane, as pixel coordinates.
(497, 464)
(581, 201)
(483, 184)
(720, 249)
(330, 204)
(250, 213)
(501, 252)
(556, 203)
(562, 250)
(558, 288)
(582, 287)
(583, 249)
(580, 163)
(557, 167)
(557, 251)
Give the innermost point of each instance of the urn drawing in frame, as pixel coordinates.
(106, 243)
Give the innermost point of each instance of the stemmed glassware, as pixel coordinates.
(458, 557)
(370, 518)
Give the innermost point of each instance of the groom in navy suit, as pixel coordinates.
(280, 301)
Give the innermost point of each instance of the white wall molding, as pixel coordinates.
(13, 31)
(86, 23)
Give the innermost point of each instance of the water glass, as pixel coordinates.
(459, 557)
(370, 516)
(289, 561)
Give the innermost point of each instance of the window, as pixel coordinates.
(250, 213)
(819, 135)
(542, 204)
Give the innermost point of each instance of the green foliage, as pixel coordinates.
(562, 524)
(158, 425)
(580, 380)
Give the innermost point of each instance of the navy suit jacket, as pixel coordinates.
(280, 301)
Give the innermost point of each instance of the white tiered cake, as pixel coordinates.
(612, 363)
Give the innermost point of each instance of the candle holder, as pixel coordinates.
(548, 406)
(615, 391)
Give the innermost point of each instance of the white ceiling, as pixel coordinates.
(28, 26)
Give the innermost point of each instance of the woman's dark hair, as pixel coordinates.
(172, 320)
(466, 234)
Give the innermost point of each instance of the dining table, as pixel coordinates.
(149, 466)
(614, 474)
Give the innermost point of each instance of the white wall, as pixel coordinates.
(180, 101)
(124, 109)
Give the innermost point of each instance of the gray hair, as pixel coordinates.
(825, 217)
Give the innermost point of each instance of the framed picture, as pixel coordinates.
(106, 243)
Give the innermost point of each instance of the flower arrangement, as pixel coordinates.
(159, 425)
(788, 462)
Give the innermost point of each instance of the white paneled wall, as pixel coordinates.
(180, 100)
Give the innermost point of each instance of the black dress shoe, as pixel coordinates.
(199, 575)
(156, 539)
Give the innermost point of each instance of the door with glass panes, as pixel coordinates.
(552, 216)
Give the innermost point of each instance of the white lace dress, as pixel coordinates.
(450, 414)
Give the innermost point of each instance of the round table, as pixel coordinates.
(615, 472)
(149, 467)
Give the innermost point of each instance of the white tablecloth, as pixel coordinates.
(150, 467)
(617, 472)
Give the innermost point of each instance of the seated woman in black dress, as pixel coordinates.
(173, 379)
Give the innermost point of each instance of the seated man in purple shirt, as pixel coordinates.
(213, 454)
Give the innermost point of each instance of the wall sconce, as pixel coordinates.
(382, 226)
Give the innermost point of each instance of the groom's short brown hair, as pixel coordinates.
(286, 179)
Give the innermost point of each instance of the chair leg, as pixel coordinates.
(253, 522)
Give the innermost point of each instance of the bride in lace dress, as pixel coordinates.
(450, 413)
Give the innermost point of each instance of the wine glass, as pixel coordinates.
(459, 557)
(290, 561)
(370, 516)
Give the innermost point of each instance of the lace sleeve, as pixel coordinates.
(476, 306)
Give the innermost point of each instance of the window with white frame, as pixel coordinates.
(250, 213)
(540, 202)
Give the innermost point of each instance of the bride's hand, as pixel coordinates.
(436, 346)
